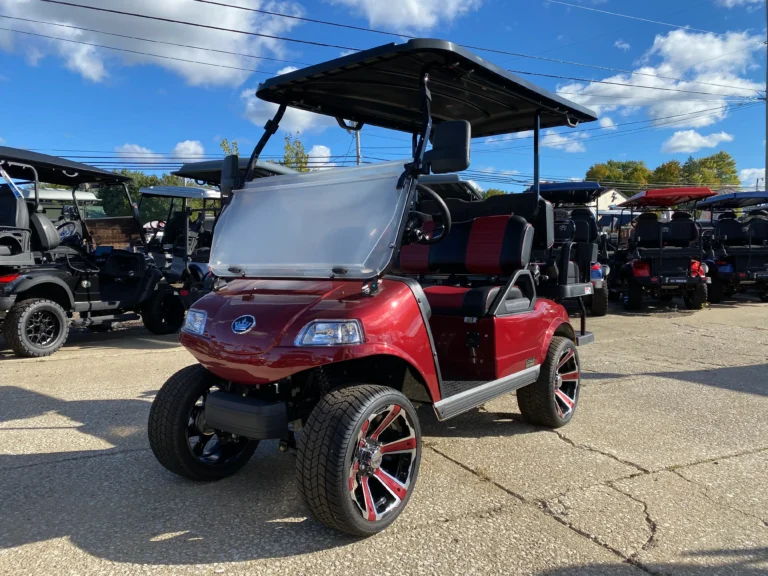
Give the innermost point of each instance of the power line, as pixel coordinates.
(634, 17)
(153, 41)
(135, 51)
(198, 25)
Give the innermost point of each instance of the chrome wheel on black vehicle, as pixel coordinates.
(358, 458)
(35, 327)
(552, 399)
(179, 436)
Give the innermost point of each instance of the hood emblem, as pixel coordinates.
(243, 324)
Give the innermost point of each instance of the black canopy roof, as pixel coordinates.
(571, 193)
(209, 171)
(52, 169)
(380, 86)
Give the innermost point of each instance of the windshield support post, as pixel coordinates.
(270, 128)
(414, 168)
(536, 134)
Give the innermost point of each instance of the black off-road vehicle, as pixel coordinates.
(104, 277)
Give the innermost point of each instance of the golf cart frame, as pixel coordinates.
(657, 247)
(579, 229)
(737, 252)
(306, 335)
(43, 286)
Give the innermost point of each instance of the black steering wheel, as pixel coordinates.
(414, 225)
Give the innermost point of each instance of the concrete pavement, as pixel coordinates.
(663, 470)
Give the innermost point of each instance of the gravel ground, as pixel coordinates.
(662, 471)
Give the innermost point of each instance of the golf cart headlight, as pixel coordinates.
(195, 322)
(330, 333)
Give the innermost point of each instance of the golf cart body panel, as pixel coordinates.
(380, 87)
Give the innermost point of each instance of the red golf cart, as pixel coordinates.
(664, 256)
(342, 302)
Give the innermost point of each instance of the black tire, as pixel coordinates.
(331, 444)
(716, 291)
(600, 301)
(163, 313)
(173, 422)
(633, 298)
(542, 402)
(613, 295)
(35, 328)
(764, 296)
(696, 299)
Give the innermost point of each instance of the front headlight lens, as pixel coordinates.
(195, 322)
(330, 333)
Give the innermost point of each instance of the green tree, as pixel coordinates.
(492, 192)
(227, 148)
(632, 173)
(295, 155)
(668, 173)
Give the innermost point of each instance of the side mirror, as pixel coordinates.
(450, 147)
(230, 175)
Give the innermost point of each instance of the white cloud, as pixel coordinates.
(734, 3)
(189, 149)
(622, 45)
(134, 152)
(259, 111)
(607, 123)
(570, 143)
(503, 138)
(320, 157)
(691, 57)
(2, 140)
(286, 70)
(749, 177)
(691, 141)
(410, 15)
(95, 64)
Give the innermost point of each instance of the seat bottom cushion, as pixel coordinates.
(461, 301)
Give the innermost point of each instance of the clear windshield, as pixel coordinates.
(312, 225)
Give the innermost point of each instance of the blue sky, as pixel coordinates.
(108, 106)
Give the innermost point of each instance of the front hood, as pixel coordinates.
(274, 304)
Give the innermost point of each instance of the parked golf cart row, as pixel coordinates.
(680, 257)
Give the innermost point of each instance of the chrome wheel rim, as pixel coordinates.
(383, 463)
(567, 380)
(208, 446)
(42, 328)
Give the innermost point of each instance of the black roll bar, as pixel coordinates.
(35, 182)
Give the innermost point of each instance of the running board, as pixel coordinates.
(460, 403)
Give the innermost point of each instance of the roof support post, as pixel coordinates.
(269, 129)
(536, 134)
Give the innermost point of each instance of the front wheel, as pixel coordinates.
(358, 458)
(697, 298)
(179, 436)
(552, 399)
(35, 328)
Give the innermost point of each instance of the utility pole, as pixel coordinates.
(357, 144)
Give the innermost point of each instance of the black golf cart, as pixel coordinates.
(48, 275)
(738, 245)
(576, 221)
(664, 259)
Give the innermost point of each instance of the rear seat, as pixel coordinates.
(731, 232)
(490, 246)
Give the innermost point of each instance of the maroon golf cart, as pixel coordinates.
(343, 302)
(664, 257)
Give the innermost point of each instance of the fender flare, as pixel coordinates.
(32, 282)
(554, 326)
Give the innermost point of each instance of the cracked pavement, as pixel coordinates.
(662, 471)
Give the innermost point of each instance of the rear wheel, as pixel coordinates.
(716, 291)
(633, 297)
(764, 296)
(552, 399)
(179, 436)
(163, 313)
(358, 458)
(600, 301)
(696, 299)
(36, 327)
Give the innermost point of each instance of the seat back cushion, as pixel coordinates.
(647, 230)
(731, 232)
(758, 230)
(564, 231)
(44, 234)
(13, 210)
(586, 225)
(680, 232)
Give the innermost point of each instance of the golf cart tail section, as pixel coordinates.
(315, 332)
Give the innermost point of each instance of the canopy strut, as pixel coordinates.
(269, 129)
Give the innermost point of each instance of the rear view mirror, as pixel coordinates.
(230, 175)
(450, 147)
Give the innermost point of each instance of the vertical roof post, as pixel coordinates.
(536, 131)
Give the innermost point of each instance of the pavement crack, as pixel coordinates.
(567, 440)
(749, 452)
(652, 526)
(74, 458)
